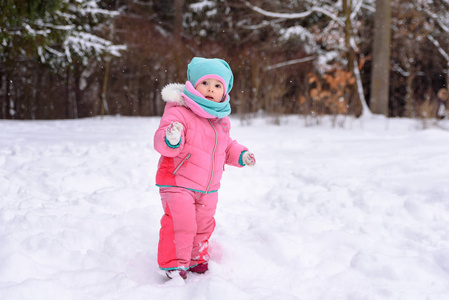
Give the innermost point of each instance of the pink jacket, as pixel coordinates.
(198, 162)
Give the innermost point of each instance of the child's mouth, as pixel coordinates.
(209, 98)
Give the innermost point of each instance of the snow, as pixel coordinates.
(202, 5)
(359, 212)
(301, 33)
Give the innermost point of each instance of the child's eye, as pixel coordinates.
(204, 83)
(218, 86)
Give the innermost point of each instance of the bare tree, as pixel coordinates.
(438, 25)
(177, 35)
(341, 18)
(380, 74)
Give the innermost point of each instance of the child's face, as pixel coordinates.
(212, 89)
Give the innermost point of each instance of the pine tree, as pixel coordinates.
(61, 34)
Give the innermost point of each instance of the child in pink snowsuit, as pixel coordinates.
(194, 142)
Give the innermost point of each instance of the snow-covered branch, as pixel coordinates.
(365, 108)
(439, 48)
(290, 62)
(369, 7)
(356, 9)
(82, 42)
(278, 15)
(261, 25)
(302, 15)
(329, 14)
(200, 6)
(442, 26)
(91, 8)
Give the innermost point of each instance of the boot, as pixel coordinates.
(173, 273)
(200, 268)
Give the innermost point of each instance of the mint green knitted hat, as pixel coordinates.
(202, 68)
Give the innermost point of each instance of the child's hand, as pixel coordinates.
(173, 133)
(249, 159)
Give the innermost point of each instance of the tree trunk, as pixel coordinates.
(8, 101)
(409, 97)
(77, 91)
(180, 72)
(447, 77)
(348, 34)
(380, 73)
(2, 95)
(68, 107)
(104, 103)
(354, 101)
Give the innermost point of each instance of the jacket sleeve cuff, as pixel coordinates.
(241, 158)
(172, 146)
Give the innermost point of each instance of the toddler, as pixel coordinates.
(194, 142)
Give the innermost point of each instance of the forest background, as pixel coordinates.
(64, 59)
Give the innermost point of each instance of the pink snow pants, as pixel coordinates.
(186, 227)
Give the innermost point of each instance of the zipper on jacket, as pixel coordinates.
(181, 163)
(213, 157)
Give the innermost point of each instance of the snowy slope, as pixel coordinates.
(327, 213)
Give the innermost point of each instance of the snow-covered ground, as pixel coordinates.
(327, 213)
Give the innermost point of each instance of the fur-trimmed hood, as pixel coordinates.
(186, 95)
(172, 92)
